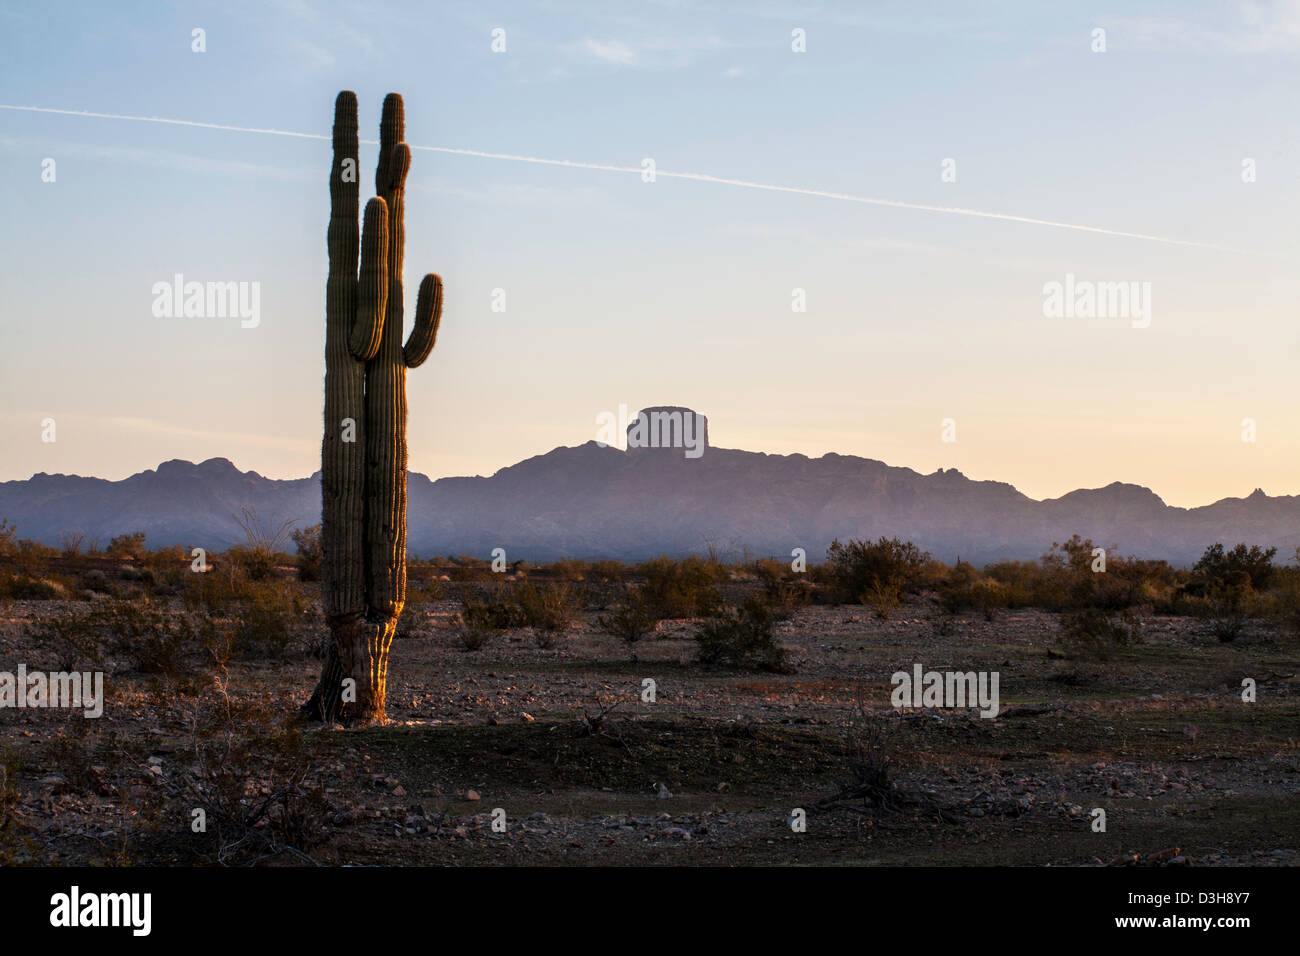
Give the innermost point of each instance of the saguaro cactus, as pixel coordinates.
(363, 455)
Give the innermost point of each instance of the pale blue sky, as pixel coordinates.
(620, 291)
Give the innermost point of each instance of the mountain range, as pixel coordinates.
(597, 501)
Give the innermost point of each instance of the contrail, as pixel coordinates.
(698, 177)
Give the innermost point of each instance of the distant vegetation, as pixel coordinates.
(153, 610)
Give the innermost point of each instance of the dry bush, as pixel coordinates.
(311, 555)
(1094, 634)
(742, 637)
(472, 632)
(270, 619)
(265, 540)
(684, 588)
(631, 619)
(128, 546)
(876, 570)
(784, 589)
(548, 609)
(257, 783)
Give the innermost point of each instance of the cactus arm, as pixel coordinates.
(372, 288)
(342, 463)
(428, 313)
(342, 237)
(392, 130)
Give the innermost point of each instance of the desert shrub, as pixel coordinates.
(875, 569)
(269, 620)
(606, 572)
(498, 612)
(424, 589)
(784, 590)
(1284, 603)
(74, 637)
(1096, 634)
(571, 569)
(988, 597)
(145, 634)
(682, 588)
(952, 592)
(255, 563)
(22, 587)
(32, 558)
(883, 597)
(1225, 568)
(1027, 584)
(945, 625)
(472, 634)
(1225, 604)
(741, 637)
(219, 588)
(264, 541)
(260, 793)
(96, 580)
(631, 619)
(965, 588)
(71, 543)
(8, 539)
(128, 546)
(467, 568)
(310, 555)
(165, 571)
(548, 609)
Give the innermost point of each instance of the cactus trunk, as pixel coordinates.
(363, 454)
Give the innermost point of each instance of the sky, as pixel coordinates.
(924, 339)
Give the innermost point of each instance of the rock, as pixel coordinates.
(472, 795)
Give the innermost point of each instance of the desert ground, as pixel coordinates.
(561, 749)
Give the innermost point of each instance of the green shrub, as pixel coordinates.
(784, 590)
(684, 588)
(310, 554)
(128, 546)
(74, 637)
(269, 620)
(631, 619)
(1224, 568)
(883, 597)
(1096, 634)
(498, 612)
(548, 609)
(1225, 605)
(876, 569)
(472, 634)
(741, 637)
(145, 634)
